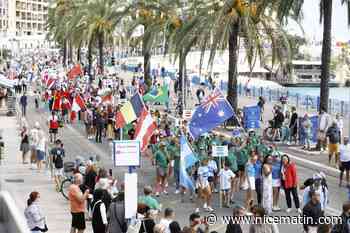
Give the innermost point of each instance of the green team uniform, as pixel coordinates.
(161, 159)
(242, 158)
(232, 159)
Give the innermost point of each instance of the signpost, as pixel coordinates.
(126, 153)
(187, 114)
(220, 151)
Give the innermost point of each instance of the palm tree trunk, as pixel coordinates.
(232, 96)
(100, 51)
(90, 57)
(79, 52)
(326, 54)
(70, 54)
(146, 63)
(64, 61)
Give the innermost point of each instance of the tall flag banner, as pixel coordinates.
(130, 111)
(187, 160)
(75, 71)
(214, 111)
(144, 129)
(78, 104)
(160, 95)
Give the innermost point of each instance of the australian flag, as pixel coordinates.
(214, 111)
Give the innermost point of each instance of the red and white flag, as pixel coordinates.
(50, 82)
(144, 129)
(78, 104)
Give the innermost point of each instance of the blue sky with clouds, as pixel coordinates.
(312, 27)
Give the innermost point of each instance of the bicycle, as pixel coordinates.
(68, 168)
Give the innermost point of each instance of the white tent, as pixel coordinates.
(5, 82)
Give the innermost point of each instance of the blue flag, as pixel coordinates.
(214, 111)
(187, 159)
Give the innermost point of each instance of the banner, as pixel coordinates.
(252, 117)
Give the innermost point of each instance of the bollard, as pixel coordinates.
(297, 102)
(342, 108)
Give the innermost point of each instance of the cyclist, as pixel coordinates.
(58, 154)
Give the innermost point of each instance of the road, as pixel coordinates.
(76, 144)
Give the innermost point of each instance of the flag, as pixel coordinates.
(130, 111)
(50, 82)
(78, 104)
(144, 129)
(160, 95)
(187, 160)
(107, 98)
(57, 102)
(75, 71)
(214, 111)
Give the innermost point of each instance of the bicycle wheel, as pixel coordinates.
(65, 186)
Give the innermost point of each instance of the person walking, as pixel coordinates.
(53, 126)
(293, 125)
(24, 146)
(333, 136)
(290, 182)
(344, 164)
(312, 210)
(276, 181)
(41, 149)
(23, 101)
(99, 213)
(307, 125)
(340, 124)
(77, 201)
(34, 140)
(34, 216)
(323, 124)
(58, 154)
(203, 186)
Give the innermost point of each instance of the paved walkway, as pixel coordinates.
(20, 180)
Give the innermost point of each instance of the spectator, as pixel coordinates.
(234, 227)
(276, 181)
(344, 161)
(24, 147)
(343, 226)
(340, 124)
(195, 223)
(267, 199)
(41, 149)
(333, 134)
(293, 125)
(159, 228)
(175, 227)
(319, 187)
(169, 216)
(290, 182)
(148, 200)
(57, 158)
(116, 215)
(323, 124)
(312, 210)
(148, 222)
(307, 125)
(261, 104)
(77, 204)
(34, 140)
(99, 213)
(33, 214)
(261, 227)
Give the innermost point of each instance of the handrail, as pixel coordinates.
(11, 220)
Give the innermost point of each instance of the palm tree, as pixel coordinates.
(227, 24)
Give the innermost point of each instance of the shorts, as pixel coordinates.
(211, 178)
(78, 221)
(345, 166)
(333, 148)
(40, 155)
(276, 183)
(225, 191)
(58, 171)
(204, 191)
(53, 131)
(161, 171)
(251, 183)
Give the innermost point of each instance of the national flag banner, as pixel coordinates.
(78, 104)
(159, 94)
(144, 129)
(187, 160)
(75, 71)
(57, 102)
(130, 111)
(50, 82)
(214, 111)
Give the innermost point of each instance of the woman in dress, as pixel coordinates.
(267, 184)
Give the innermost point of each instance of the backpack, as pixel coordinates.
(58, 161)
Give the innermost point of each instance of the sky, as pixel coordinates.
(312, 27)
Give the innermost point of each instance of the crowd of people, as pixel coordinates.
(254, 166)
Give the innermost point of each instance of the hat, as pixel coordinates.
(317, 176)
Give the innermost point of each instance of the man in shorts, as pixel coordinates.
(53, 126)
(344, 164)
(57, 154)
(333, 135)
(77, 204)
(203, 186)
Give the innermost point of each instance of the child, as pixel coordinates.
(226, 177)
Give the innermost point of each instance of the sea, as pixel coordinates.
(339, 93)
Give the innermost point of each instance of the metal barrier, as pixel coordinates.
(11, 220)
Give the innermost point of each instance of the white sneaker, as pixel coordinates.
(197, 210)
(276, 208)
(299, 211)
(210, 209)
(177, 191)
(165, 192)
(288, 210)
(205, 206)
(157, 194)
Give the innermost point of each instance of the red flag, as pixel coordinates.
(107, 98)
(144, 129)
(78, 103)
(73, 116)
(75, 71)
(119, 120)
(57, 102)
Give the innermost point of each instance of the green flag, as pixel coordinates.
(159, 95)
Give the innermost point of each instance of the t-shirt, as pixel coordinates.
(58, 154)
(150, 202)
(232, 159)
(77, 202)
(165, 222)
(212, 166)
(345, 153)
(225, 179)
(161, 159)
(53, 122)
(203, 174)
